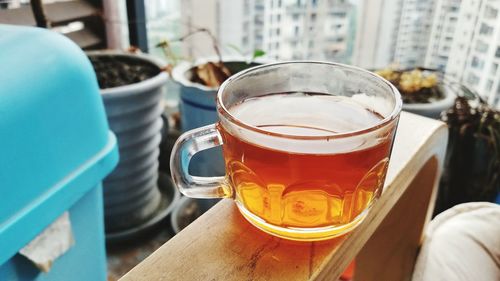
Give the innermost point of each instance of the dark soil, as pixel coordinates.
(424, 95)
(115, 70)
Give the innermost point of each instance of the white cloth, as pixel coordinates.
(461, 244)
(49, 245)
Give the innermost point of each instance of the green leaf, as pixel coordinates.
(258, 53)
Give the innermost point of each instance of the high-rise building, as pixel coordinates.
(442, 33)
(284, 29)
(339, 31)
(475, 54)
(413, 33)
(376, 33)
(307, 29)
(464, 32)
(230, 22)
(235, 25)
(393, 31)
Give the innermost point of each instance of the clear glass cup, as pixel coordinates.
(301, 180)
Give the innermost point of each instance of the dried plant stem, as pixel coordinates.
(202, 30)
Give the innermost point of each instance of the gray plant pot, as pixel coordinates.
(131, 193)
(447, 85)
(197, 108)
(433, 109)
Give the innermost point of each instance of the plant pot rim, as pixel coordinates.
(132, 89)
(179, 71)
(447, 101)
(449, 96)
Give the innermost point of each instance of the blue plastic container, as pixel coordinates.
(55, 148)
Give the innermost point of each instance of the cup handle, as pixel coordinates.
(185, 147)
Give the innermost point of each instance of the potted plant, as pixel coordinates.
(472, 164)
(198, 83)
(424, 91)
(132, 90)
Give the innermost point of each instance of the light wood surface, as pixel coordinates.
(222, 245)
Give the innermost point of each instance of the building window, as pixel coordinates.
(246, 6)
(485, 29)
(481, 47)
(497, 53)
(295, 17)
(339, 14)
(477, 63)
(278, 31)
(279, 3)
(472, 79)
(279, 18)
(489, 85)
(494, 68)
(490, 12)
(311, 43)
(313, 16)
(296, 32)
(315, 3)
(496, 101)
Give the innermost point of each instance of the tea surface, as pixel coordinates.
(290, 186)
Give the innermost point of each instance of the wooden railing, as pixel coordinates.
(221, 245)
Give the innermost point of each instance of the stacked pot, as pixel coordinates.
(131, 193)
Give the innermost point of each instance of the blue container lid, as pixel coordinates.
(55, 144)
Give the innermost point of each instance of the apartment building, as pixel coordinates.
(442, 33)
(230, 22)
(284, 29)
(475, 53)
(413, 32)
(376, 32)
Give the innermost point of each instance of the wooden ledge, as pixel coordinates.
(222, 245)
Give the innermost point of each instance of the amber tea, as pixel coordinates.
(304, 187)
